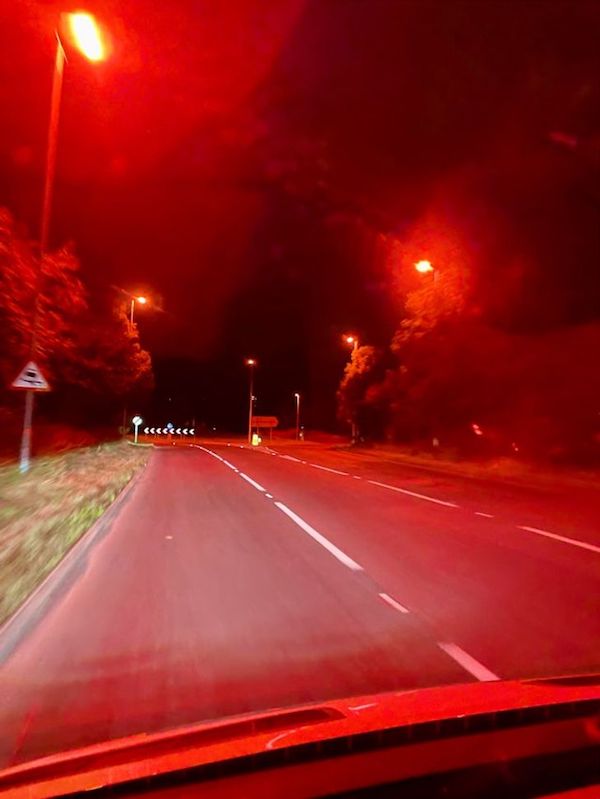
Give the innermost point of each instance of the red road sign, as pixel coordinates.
(265, 421)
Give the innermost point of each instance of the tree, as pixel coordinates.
(44, 300)
(358, 374)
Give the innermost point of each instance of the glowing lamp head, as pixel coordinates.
(350, 339)
(86, 35)
(141, 300)
(250, 362)
(423, 266)
(297, 395)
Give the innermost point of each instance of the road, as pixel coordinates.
(228, 580)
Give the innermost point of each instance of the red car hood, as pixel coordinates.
(150, 754)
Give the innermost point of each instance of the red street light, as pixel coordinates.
(86, 35)
(141, 301)
(424, 266)
(251, 362)
(352, 340)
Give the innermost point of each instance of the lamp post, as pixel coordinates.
(250, 363)
(352, 340)
(136, 421)
(84, 33)
(297, 398)
(141, 301)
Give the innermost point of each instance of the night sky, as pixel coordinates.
(245, 162)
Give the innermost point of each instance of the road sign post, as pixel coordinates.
(25, 453)
(30, 380)
(137, 421)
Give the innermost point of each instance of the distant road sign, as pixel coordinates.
(31, 379)
(265, 421)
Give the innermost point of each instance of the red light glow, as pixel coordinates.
(424, 266)
(86, 35)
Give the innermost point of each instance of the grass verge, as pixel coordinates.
(43, 513)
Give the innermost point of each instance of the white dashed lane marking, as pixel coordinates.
(414, 494)
(327, 469)
(485, 515)
(574, 542)
(468, 662)
(393, 603)
(320, 539)
(252, 482)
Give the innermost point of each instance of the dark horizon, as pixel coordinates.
(259, 189)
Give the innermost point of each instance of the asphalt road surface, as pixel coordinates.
(228, 580)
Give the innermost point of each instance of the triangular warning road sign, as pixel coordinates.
(31, 378)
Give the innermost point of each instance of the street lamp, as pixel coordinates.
(297, 397)
(250, 363)
(85, 35)
(141, 301)
(352, 340)
(423, 267)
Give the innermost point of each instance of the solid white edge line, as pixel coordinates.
(468, 662)
(252, 482)
(574, 542)
(320, 539)
(414, 494)
(393, 604)
(327, 469)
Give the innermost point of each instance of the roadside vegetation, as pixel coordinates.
(43, 513)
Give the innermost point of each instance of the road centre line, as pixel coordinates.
(320, 539)
(327, 469)
(468, 662)
(414, 494)
(485, 515)
(291, 458)
(574, 542)
(393, 603)
(252, 482)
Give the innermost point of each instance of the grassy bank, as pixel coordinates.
(43, 513)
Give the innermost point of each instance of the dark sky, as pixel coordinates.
(243, 159)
